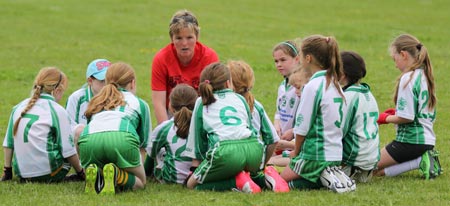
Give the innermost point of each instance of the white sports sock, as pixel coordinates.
(397, 169)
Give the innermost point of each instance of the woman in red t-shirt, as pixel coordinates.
(181, 61)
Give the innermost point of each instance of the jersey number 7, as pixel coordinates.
(33, 118)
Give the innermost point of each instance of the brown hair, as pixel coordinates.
(419, 53)
(354, 67)
(288, 47)
(119, 75)
(47, 80)
(183, 19)
(325, 53)
(212, 78)
(182, 100)
(243, 80)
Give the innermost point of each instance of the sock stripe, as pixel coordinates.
(122, 177)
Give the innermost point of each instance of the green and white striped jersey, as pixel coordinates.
(320, 118)
(263, 126)
(43, 139)
(134, 118)
(77, 104)
(166, 148)
(412, 104)
(228, 118)
(361, 140)
(287, 103)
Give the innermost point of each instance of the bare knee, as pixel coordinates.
(385, 161)
(139, 184)
(288, 174)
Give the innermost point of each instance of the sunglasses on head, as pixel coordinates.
(187, 18)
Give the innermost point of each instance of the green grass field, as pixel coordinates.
(69, 34)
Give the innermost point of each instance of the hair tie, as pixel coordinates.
(115, 84)
(59, 81)
(419, 46)
(206, 81)
(292, 47)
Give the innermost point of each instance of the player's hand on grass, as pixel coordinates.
(77, 177)
(7, 174)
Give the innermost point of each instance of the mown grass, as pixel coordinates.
(69, 34)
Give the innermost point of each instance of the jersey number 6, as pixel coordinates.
(228, 119)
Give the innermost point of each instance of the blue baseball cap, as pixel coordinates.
(97, 69)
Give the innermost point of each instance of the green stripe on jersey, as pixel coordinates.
(169, 172)
(312, 145)
(201, 145)
(413, 132)
(351, 139)
(145, 124)
(265, 130)
(10, 133)
(54, 141)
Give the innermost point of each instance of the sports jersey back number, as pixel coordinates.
(425, 96)
(180, 150)
(374, 116)
(33, 118)
(340, 102)
(228, 119)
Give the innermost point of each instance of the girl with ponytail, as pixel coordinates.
(222, 142)
(243, 80)
(38, 134)
(168, 139)
(319, 120)
(114, 141)
(414, 113)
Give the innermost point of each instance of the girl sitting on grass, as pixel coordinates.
(221, 141)
(168, 139)
(361, 140)
(39, 134)
(116, 135)
(414, 115)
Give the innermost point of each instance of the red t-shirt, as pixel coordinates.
(167, 70)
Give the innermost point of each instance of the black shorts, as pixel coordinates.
(402, 152)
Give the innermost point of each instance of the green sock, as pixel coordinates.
(224, 185)
(125, 180)
(148, 166)
(259, 179)
(303, 184)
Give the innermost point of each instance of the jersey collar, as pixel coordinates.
(286, 83)
(47, 96)
(222, 91)
(362, 88)
(319, 74)
(89, 93)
